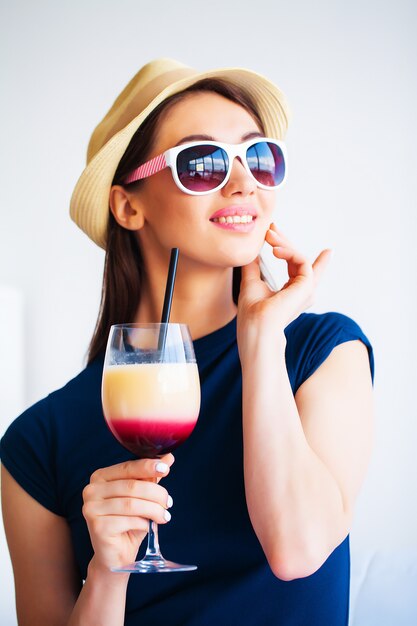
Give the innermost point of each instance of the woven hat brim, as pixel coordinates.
(89, 206)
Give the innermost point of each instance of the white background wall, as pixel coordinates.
(348, 70)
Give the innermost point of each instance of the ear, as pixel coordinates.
(126, 208)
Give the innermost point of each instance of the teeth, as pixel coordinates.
(234, 219)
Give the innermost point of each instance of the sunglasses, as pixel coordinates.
(200, 167)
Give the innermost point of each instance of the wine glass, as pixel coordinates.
(151, 402)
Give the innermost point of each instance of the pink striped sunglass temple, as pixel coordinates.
(201, 167)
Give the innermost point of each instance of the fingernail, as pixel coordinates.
(161, 467)
(167, 516)
(170, 502)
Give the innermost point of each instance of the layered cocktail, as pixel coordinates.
(151, 408)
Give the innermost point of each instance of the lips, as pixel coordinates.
(234, 210)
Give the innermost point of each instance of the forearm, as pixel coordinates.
(102, 599)
(294, 503)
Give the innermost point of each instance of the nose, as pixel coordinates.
(240, 181)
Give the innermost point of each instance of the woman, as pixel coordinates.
(264, 489)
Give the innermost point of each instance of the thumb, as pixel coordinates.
(321, 263)
(251, 271)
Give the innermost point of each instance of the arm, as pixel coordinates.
(117, 505)
(301, 504)
(102, 600)
(46, 580)
(299, 476)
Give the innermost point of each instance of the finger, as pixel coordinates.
(294, 258)
(251, 271)
(127, 506)
(129, 488)
(323, 259)
(114, 525)
(276, 234)
(137, 468)
(321, 263)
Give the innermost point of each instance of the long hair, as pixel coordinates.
(123, 266)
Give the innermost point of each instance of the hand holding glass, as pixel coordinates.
(151, 402)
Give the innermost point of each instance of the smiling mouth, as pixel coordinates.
(234, 219)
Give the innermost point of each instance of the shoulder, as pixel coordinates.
(39, 424)
(74, 391)
(309, 325)
(48, 433)
(312, 336)
(80, 391)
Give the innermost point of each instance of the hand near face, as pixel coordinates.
(258, 306)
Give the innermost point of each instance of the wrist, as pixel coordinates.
(102, 575)
(260, 343)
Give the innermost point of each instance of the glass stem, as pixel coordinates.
(152, 551)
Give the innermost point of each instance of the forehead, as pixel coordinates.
(204, 113)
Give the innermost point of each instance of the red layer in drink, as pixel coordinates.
(149, 439)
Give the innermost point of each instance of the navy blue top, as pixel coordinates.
(52, 449)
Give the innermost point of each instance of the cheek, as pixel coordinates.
(175, 214)
(268, 202)
(163, 199)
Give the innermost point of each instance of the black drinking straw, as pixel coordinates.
(169, 290)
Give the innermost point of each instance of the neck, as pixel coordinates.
(202, 296)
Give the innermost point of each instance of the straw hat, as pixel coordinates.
(89, 207)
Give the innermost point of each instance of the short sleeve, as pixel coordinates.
(312, 337)
(26, 451)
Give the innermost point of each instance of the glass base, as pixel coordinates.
(154, 565)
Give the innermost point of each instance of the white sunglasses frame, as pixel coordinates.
(169, 158)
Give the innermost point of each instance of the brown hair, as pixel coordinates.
(123, 266)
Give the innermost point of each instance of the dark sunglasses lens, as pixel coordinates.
(202, 168)
(266, 162)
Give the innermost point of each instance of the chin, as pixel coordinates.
(239, 259)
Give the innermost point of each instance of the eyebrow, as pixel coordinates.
(188, 138)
